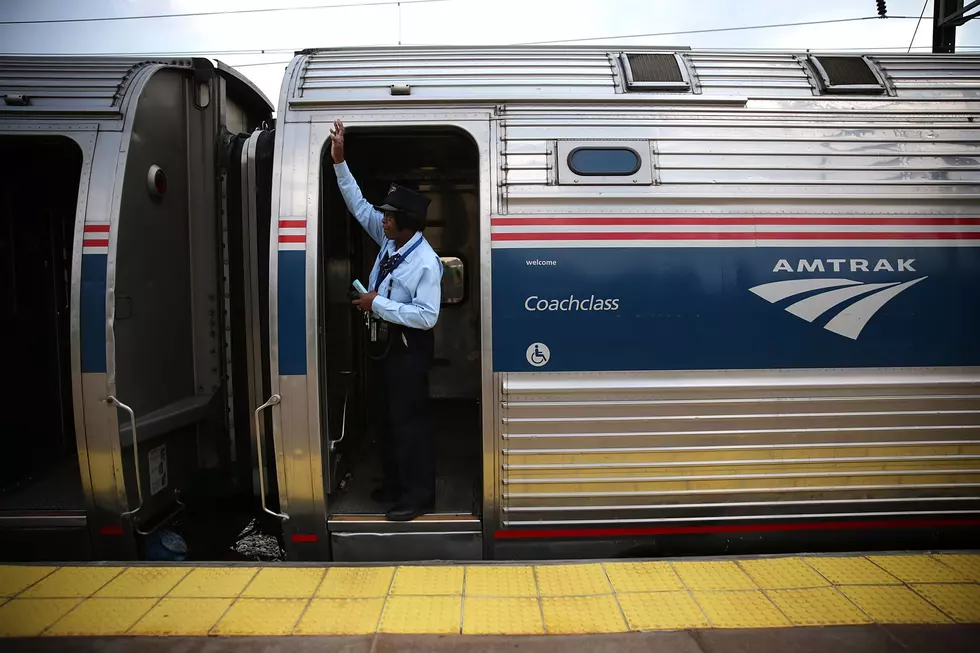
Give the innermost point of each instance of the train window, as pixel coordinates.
(604, 162)
(848, 75)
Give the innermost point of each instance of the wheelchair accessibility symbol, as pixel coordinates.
(538, 354)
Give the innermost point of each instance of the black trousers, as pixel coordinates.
(401, 392)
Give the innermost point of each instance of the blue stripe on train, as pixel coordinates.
(92, 313)
(292, 312)
(692, 308)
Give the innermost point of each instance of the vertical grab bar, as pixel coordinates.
(273, 400)
(112, 401)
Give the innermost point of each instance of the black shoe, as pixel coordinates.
(406, 513)
(384, 495)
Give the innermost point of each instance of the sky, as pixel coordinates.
(240, 39)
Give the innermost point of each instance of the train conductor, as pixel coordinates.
(404, 293)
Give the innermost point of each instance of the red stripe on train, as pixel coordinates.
(640, 221)
(97, 228)
(739, 235)
(730, 528)
(95, 243)
(292, 224)
(292, 239)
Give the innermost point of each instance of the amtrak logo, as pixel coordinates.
(850, 320)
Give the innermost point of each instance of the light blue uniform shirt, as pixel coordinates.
(416, 284)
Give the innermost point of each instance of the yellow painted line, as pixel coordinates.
(14, 580)
(29, 617)
(427, 581)
(260, 617)
(500, 582)
(72, 582)
(100, 617)
(214, 582)
(187, 617)
(894, 605)
(662, 611)
(851, 571)
(341, 617)
(583, 614)
(820, 606)
(502, 616)
(284, 583)
(743, 609)
(143, 582)
(713, 575)
(782, 573)
(356, 583)
(435, 615)
(642, 577)
(572, 580)
(918, 569)
(961, 602)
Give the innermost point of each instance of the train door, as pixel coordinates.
(43, 510)
(326, 414)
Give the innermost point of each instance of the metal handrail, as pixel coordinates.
(343, 427)
(111, 400)
(273, 400)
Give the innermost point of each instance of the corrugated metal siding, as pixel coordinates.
(743, 156)
(446, 73)
(497, 74)
(618, 449)
(69, 84)
(750, 75)
(933, 76)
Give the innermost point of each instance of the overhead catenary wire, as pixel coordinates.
(918, 22)
(197, 14)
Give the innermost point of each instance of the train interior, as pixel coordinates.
(443, 164)
(39, 472)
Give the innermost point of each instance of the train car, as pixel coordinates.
(694, 300)
(116, 297)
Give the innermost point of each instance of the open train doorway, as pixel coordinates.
(42, 503)
(442, 164)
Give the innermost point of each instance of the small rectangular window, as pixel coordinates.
(592, 161)
(604, 162)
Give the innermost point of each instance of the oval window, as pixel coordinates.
(593, 161)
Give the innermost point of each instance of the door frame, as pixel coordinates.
(302, 455)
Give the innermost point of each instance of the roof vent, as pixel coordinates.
(655, 72)
(848, 75)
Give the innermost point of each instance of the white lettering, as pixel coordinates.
(882, 264)
(836, 263)
(905, 265)
(570, 303)
(859, 264)
(782, 266)
(816, 266)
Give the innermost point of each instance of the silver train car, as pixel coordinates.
(116, 283)
(693, 302)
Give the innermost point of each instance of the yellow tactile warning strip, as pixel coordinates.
(485, 599)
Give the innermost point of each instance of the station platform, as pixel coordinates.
(930, 598)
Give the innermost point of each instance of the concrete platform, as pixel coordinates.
(705, 603)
